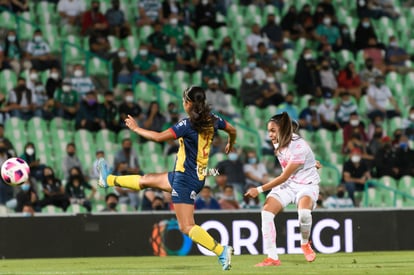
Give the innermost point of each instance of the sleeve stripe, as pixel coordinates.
(173, 132)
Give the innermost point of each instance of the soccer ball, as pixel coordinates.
(15, 171)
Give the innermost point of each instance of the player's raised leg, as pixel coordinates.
(134, 182)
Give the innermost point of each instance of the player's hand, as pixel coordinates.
(131, 123)
(228, 148)
(318, 165)
(252, 192)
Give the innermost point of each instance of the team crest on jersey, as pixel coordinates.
(193, 195)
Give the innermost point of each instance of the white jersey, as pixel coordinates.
(299, 152)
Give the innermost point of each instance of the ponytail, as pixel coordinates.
(199, 113)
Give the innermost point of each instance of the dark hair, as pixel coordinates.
(200, 113)
(285, 129)
(152, 103)
(111, 195)
(348, 70)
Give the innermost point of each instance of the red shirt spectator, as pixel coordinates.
(348, 81)
(94, 21)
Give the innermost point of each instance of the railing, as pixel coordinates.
(378, 185)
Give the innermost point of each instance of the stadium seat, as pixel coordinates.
(8, 20)
(8, 81)
(98, 66)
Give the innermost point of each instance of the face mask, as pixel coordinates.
(33, 76)
(39, 88)
(327, 21)
(313, 108)
(78, 73)
(54, 75)
(340, 194)
(270, 79)
(204, 2)
(394, 44)
(27, 214)
(252, 65)
(355, 158)
(233, 156)
(325, 67)
(122, 54)
(249, 80)
(143, 52)
(25, 187)
(228, 198)
(370, 66)
(354, 122)
(95, 9)
(412, 116)
(38, 39)
(127, 149)
(365, 24)
(11, 38)
(307, 56)
(30, 151)
(129, 99)
(328, 102)
(210, 48)
(112, 205)
(71, 154)
(66, 88)
(251, 160)
(91, 102)
(174, 21)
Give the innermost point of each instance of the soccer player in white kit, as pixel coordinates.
(298, 183)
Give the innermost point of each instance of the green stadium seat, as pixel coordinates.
(7, 20)
(215, 159)
(204, 33)
(8, 81)
(114, 42)
(330, 177)
(144, 32)
(388, 181)
(98, 66)
(131, 44)
(145, 92)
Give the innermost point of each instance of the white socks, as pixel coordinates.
(305, 224)
(269, 234)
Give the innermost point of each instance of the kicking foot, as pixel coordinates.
(103, 171)
(225, 257)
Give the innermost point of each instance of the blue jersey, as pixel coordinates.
(194, 150)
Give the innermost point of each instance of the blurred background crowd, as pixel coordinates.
(72, 70)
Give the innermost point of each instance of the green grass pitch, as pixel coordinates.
(340, 263)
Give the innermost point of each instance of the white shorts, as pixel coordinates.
(291, 192)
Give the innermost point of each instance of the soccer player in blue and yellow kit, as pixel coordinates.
(195, 135)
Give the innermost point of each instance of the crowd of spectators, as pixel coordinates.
(334, 90)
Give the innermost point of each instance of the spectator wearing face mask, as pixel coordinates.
(227, 199)
(363, 33)
(349, 129)
(370, 72)
(27, 200)
(66, 101)
(379, 99)
(129, 107)
(118, 26)
(145, 65)
(206, 201)
(76, 187)
(339, 200)
(21, 101)
(109, 112)
(154, 200)
(404, 158)
(309, 118)
(111, 202)
(326, 32)
(70, 160)
(289, 106)
(81, 83)
(29, 155)
(158, 40)
(256, 175)
(257, 72)
(327, 113)
(173, 28)
(355, 174)
(93, 21)
(385, 161)
(53, 82)
(127, 155)
(13, 53)
(232, 167)
(306, 74)
(38, 52)
(53, 190)
(123, 68)
(89, 116)
(251, 90)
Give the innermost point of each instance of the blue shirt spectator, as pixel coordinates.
(206, 200)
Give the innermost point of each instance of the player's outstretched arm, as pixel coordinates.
(148, 134)
(232, 133)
